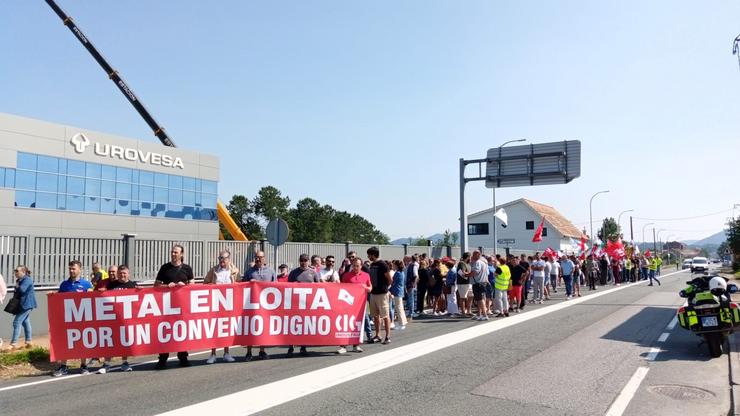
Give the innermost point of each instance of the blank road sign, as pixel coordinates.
(533, 164)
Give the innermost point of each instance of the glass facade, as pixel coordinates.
(47, 182)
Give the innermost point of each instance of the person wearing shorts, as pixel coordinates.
(464, 289)
(479, 275)
(380, 279)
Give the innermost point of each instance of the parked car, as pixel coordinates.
(699, 265)
(686, 264)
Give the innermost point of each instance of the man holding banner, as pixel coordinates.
(173, 274)
(74, 284)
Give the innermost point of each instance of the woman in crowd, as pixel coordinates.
(450, 288)
(436, 290)
(397, 289)
(423, 285)
(24, 291)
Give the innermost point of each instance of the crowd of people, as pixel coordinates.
(399, 291)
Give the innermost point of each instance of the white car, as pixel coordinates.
(686, 264)
(699, 265)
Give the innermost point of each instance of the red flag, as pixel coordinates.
(583, 242)
(550, 253)
(538, 232)
(647, 253)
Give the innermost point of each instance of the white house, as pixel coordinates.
(524, 216)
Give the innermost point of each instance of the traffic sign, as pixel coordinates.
(506, 241)
(277, 232)
(533, 164)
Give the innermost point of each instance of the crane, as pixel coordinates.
(223, 214)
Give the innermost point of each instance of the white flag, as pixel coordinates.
(501, 215)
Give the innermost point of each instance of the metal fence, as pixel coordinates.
(47, 257)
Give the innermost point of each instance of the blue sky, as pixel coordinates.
(369, 106)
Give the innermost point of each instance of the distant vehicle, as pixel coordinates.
(715, 261)
(686, 264)
(699, 265)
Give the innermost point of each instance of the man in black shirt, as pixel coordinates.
(171, 274)
(381, 279)
(118, 281)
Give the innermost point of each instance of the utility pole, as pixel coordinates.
(655, 247)
(632, 237)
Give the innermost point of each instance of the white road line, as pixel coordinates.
(628, 392)
(653, 353)
(673, 323)
(269, 395)
(664, 336)
(72, 376)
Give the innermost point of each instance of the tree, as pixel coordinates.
(270, 203)
(448, 239)
(609, 230)
(309, 221)
(733, 240)
(242, 212)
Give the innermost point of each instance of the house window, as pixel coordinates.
(544, 231)
(480, 228)
(530, 225)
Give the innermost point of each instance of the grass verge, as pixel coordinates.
(29, 356)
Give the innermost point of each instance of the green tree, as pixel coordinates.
(270, 203)
(309, 221)
(733, 240)
(448, 239)
(242, 212)
(609, 230)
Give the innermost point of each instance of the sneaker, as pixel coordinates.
(486, 318)
(290, 352)
(248, 357)
(357, 348)
(376, 339)
(94, 361)
(501, 315)
(84, 370)
(263, 355)
(304, 351)
(61, 371)
(414, 315)
(211, 359)
(369, 339)
(228, 358)
(386, 341)
(393, 325)
(161, 365)
(341, 350)
(185, 363)
(104, 369)
(401, 328)
(125, 367)
(506, 314)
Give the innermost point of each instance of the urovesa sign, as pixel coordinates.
(81, 143)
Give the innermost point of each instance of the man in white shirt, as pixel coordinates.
(479, 276)
(328, 274)
(554, 274)
(538, 278)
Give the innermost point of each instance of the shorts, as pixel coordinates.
(463, 291)
(479, 291)
(379, 306)
(515, 292)
(489, 291)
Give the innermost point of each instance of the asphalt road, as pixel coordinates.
(561, 358)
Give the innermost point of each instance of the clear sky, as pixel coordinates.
(368, 106)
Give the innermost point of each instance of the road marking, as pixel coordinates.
(73, 376)
(653, 353)
(273, 394)
(673, 323)
(628, 392)
(664, 336)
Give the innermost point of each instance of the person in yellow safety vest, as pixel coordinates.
(98, 277)
(659, 262)
(652, 267)
(501, 285)
(628, 270)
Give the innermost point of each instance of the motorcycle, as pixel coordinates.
(709, 311)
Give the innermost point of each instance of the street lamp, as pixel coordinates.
(619, 219)
(591, 213)
(493, 223)
(659, 231)
(643, 231)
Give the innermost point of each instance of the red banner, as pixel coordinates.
(149, 321)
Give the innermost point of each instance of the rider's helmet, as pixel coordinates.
(717, 285)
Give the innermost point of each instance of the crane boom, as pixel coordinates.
(223, 214)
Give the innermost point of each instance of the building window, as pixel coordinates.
(530, 225)
(49, 182)
(544, 231)
(480, 228)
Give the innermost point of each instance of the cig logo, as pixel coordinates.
(80, 142)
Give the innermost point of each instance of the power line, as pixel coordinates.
(684, 218)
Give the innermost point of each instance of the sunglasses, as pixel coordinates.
(223, 257)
